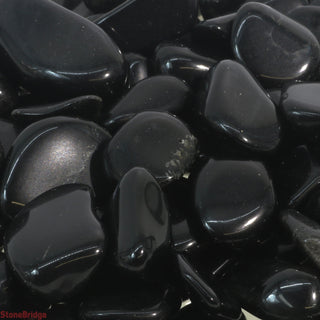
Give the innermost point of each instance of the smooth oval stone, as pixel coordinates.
(215, 8)
(138, 25)
(305, 232)
(147, 303)
(8, 97)
(42, 56)
(308, 16)
(300, 105)
(244, 210)
(140, 222)
(8, 134)
(158, 93)
(87, 107)
(138, 68)
(233, 103)
(50, 153)
(156, 141)
(283, 6)
(275, 48)
(55, 242)
(102, 5)
(207, 298)
(182, 63)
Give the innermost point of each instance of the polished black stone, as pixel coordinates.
(8, 134)
(275, 48)
(50, 153)
(215, 8)
(140, 25)
(156, 141)
(138, 68)
(86, 107)
(8, 97)
(140, 222)
(233, 103)
(55, 242)
(158, 93)
(182, 62)
(38, 52)
(275, 290)
(102, 5)
(283, 6)
(300, 105)
(305, 232)
(146, 302)
(211, 300)
(309, 16)
(233, 200)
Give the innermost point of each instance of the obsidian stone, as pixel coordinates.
(309, 17)
(139, 25)
(149, 303)
(8, 134)
(283, 6)
(140, 222)
(211, 300)
(215, 8)
(305, 232)
(273, 47)
(55, 242)
(182, 62)
(50, 153)
(156, 141)
(234, 104)
(158, 93)
(300, 105)
(38, 52)
(244, 210)
(102, 5)
(8, 97)
(87, 107)
(138, 68)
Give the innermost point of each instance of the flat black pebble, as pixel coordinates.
(56, 242)
(50, 153)
(215, 8)
(309, 16)
(156, 141)
(158, 93)
(139, 25)
(233, 103)
(41, 55)
(86, 107)
(182, 63)
(138, 68)
(234, 200)
(274, 47)
(102, 5)
(144, 303)
(140, 223)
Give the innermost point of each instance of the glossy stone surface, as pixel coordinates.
(50, 153)
(158, 93)
(300, 105)
(138, 68)
(215, 8)
(87, 107)
(210, 301)
(244, 210)
(156, 141)
(182, 62)
(8, 133)
(309, 17)
(135, 31)
(41, 55)
(140, 222)
(305, 232)
(147, 303)
(234, 104)
(56, 242)
(102, 5)
(275, 48)
(8, 97)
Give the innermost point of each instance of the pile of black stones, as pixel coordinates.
(160, 159)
